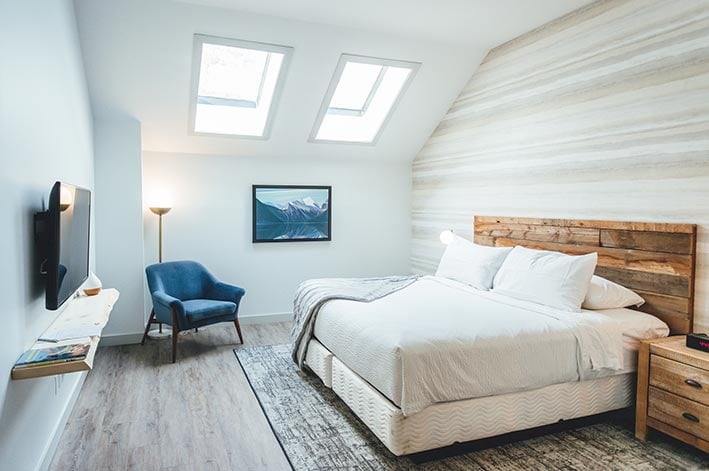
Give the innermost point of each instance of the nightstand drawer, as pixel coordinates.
(679, 412)
(680, 378)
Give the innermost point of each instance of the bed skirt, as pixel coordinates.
(447, 423)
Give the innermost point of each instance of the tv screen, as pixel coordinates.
(68, 239)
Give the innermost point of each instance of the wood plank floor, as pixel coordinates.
(139, 411)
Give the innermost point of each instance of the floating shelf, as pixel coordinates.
(82, 311)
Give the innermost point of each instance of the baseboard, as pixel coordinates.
(51, 448)
(266, 318)
(112, 340)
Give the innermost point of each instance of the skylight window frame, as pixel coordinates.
(367, 101)
(242, 103)
(325, 106)
(198, 42)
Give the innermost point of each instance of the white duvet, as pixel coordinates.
(439, 340)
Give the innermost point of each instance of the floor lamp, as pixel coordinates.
(160, 333)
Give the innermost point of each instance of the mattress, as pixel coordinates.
(440, 341)
(444, 424)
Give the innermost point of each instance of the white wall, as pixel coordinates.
(211, 222)
(139, 62)
(45, 135)
(119, 222)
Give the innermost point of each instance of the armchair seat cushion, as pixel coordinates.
(199, 309)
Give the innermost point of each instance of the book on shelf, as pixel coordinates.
(53, 355)
(47, 363)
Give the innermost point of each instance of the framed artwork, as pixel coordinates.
(291, 213)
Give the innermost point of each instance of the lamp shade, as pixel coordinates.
(447, 237)
(160, 210)
(66, 198)
(159, 200)
(92, 286)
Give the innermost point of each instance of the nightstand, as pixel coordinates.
(673, 391)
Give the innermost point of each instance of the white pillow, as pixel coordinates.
(604, 294)
(472, 264)
(550, 278)
(637, 325)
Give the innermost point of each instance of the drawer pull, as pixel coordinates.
(694, 384)
(690, 417)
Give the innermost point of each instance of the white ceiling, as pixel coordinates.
(138, 60)
(484, 23)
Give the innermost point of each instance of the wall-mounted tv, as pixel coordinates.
(63, 240)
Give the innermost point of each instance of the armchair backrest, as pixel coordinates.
(183, 280)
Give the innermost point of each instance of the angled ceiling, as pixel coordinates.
(138, 60)
(481, 23)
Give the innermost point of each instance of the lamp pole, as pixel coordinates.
(160, 238)
(160, 211)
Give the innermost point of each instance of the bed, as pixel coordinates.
(478, 364)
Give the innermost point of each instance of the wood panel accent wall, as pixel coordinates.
(656, 260)
(601, 114)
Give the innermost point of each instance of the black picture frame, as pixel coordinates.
(258, 236)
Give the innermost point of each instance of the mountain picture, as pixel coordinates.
(291, 213)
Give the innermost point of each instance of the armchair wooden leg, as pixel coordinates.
(147, 327)
(175, 334)
(238, 330)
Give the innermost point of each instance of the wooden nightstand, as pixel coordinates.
(673, 391)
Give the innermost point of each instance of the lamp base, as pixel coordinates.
(157, 335)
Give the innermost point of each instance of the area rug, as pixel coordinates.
(317, 431)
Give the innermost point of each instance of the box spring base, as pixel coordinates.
(447, 423)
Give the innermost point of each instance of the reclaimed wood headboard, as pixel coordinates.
(654, 259)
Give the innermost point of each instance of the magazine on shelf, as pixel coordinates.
(53, 355)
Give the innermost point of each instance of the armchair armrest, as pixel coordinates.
(161, 297)
(224, 292)
(163, 304)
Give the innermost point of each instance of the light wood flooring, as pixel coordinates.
(139, 411)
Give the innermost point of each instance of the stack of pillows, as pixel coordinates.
(553, 279)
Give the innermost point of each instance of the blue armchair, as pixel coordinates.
(186, 296)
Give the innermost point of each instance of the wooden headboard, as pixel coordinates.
(656, 260)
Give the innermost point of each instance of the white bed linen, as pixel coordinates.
(439, 340)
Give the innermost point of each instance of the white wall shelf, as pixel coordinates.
(83, 311)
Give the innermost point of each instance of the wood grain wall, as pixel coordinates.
(601, 114)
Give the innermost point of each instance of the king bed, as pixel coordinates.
(438, 361)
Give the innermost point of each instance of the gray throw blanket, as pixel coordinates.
(311, 295)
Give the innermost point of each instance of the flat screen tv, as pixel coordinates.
(64, 234)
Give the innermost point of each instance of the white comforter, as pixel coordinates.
(438, 340)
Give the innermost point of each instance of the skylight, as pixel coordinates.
(236, 86)
(361, 96)
(356, 86)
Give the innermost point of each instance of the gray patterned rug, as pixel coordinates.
(319, 432)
